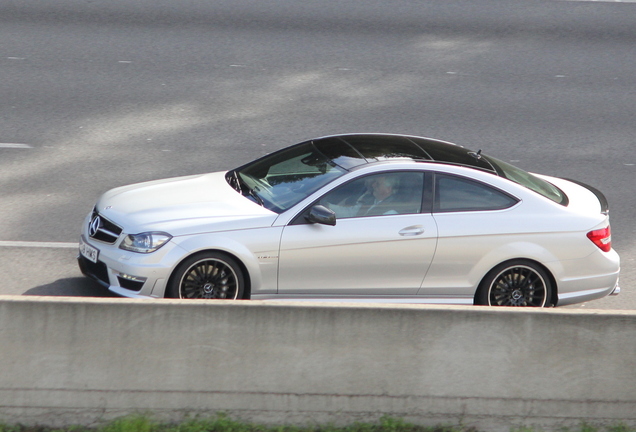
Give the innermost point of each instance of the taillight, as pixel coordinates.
(601, 238)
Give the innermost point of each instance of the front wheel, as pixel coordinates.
(515, 283)
(207, 275)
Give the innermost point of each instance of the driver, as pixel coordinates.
(375, 201)
(380, 202)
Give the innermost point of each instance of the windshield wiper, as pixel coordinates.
(235, 181)
(251, 192)
(243, 188)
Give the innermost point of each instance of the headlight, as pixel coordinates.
(145, 242)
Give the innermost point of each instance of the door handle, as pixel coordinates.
(412, 230)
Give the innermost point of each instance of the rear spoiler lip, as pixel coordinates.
(601, 197)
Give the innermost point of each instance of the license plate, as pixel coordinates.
(88, 251)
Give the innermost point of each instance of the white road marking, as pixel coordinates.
(15, 145)
(34, 244)
(603, 1)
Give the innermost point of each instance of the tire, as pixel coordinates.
(515, 283)
(207, 275)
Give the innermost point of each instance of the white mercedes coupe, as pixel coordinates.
(357, 217)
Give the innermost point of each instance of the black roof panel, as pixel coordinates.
(349, 151)
(451, 153)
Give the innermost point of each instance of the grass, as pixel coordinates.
(222, 423)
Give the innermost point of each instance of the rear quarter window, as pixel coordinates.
(454, 194)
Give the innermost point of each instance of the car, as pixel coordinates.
(357, 217)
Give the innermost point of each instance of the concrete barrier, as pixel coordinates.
(80, 361)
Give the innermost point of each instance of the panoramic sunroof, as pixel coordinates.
(349, 151)
(379, 147)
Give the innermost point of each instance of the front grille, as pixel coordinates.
(97, 271)
(100, 228)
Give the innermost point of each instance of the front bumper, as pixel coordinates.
(129, 274)
(124, 287)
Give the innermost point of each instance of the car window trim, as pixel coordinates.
(427, 194)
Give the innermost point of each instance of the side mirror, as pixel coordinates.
(320, 214)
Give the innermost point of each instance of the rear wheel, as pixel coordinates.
(515, 283)
(207, 275)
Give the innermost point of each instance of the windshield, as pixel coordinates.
(528, 180)
(281, 180)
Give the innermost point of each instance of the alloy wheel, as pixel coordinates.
(209, 279)
(518, 285)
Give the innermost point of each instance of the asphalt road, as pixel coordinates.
(96, 94)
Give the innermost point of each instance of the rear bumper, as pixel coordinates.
(587, 295)
(593, 277)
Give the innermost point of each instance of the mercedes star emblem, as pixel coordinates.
(94, 226)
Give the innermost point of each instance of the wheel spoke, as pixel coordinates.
(209, 279)
(518, 286)
(199, 273)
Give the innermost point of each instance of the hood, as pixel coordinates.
(182, 205)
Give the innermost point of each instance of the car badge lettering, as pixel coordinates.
(93, 227)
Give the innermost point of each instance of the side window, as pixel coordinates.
(377, 194)
(460, 194)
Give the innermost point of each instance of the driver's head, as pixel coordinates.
(383, 186)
